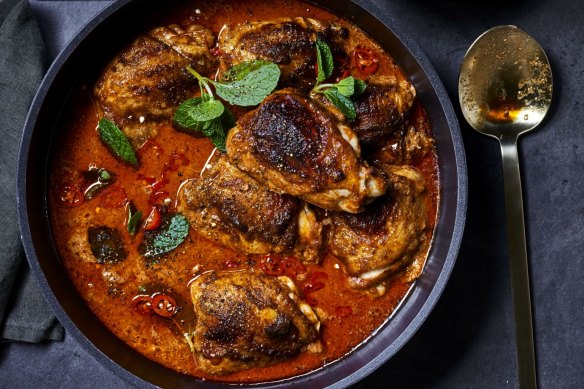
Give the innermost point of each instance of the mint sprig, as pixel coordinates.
(246, 84)
(117, 141)
(170, 238)
(338, 94)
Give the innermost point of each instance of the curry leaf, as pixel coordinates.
(117, 142)
(324, 61)
(170, 238)
(343, 103)
(251, 89)
(133, 221)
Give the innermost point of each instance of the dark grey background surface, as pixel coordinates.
(468, 340)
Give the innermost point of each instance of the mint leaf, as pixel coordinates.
(324, 61)
(184, 119)
(360, 87)
(239, 71)
(116, 141)
(214, 129)
(170, 238)
(194, 112)
(251, 89)
(227, 119)
(206, 110)
(346, 86)
(343, 103)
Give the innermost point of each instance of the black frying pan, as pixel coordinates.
(127, 18)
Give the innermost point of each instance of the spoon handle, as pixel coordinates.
(518, 264)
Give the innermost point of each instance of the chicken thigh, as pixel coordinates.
(289, 43)
(144, 84)
(293, 145)
(387, 236)
(228, 206)
(246, 319)
(382, 109)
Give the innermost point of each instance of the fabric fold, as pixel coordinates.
(24, 313)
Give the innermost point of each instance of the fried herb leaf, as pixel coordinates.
(257, 82)
(96, 179)
(107, 245)
(324, 61)
(116, 141)
(134, 219)
(169, 238)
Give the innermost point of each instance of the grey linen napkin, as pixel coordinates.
(24, 314)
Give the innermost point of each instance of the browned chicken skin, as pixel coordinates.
(293, 145)
(382, 109)
(246, 319)
(228, 206)
(387, 236)
(408, 146)
(288, 43)
(145, 83)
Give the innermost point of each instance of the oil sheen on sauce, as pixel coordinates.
(352, 316)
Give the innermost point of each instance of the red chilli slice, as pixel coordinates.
(153, 220)
(292, 266)
(156, 197)
(314, 282)
(271, 264)
(71, 196)
(113, 197)
(142, 303)
(164, 305)
(365, 62)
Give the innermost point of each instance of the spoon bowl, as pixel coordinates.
(505, 85)
(505, 89)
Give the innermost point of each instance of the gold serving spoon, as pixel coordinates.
(505, 89)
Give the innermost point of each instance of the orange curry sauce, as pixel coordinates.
(351, 316)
